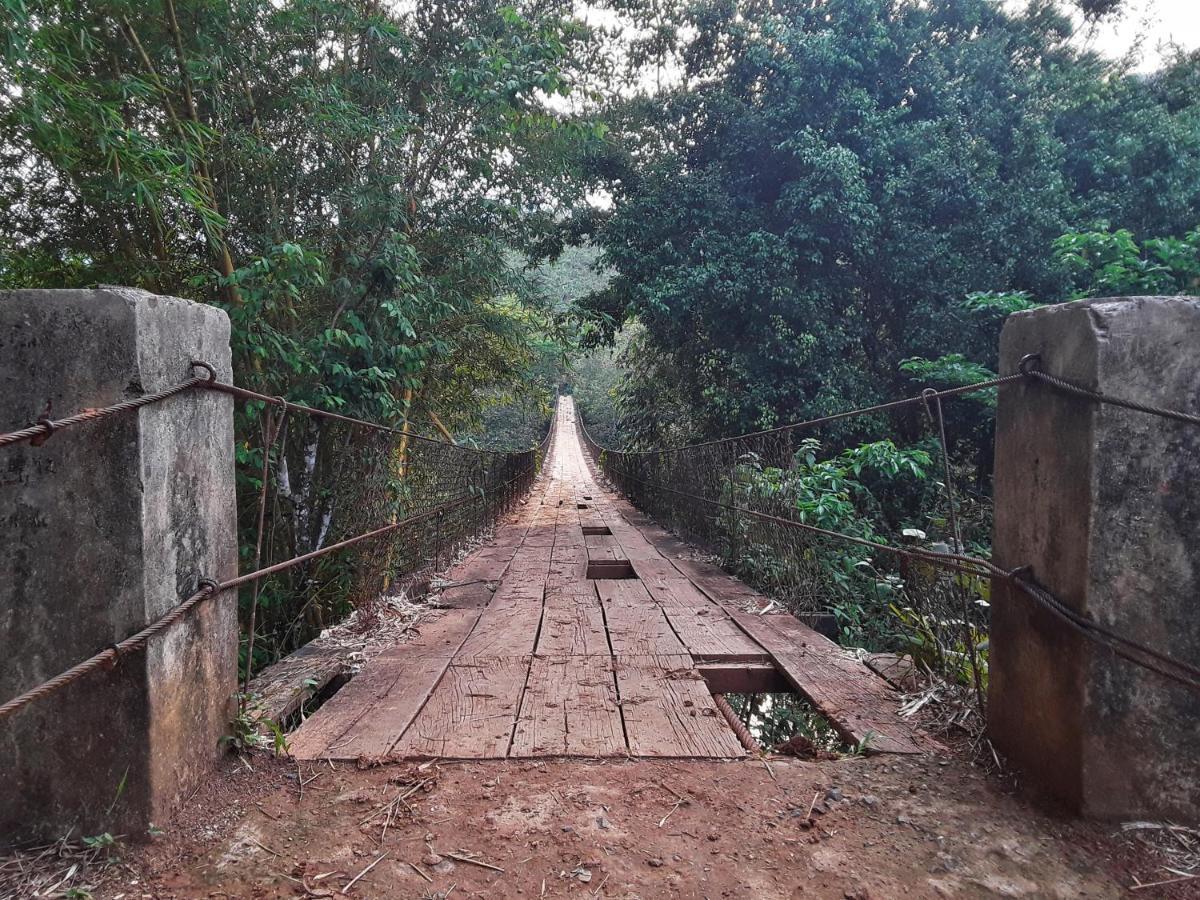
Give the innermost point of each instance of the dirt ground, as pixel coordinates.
(874, 827)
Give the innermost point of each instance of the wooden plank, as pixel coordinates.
(520, 588)
(857, 702)
(283, 687)
(668, 710)
(595, 542)
(743, 678)
(570, 709)
(392, 670)
(438, 634)
(640, 631)
(572, 626)
(624, 592)
(678, 592)
(376, 732)
(655, 568)
(472, 595)
(471, 712)
(711, 635)
(508, 629)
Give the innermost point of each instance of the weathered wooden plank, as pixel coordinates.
(655, 568)
(377, 731)
(472, 595)
(508, 629)
(596, 542)
(436, 640)
(677, 591)
(640, 631)
(668, 710)
(722, 588)
(471, 712)
(711, 635)
(857, 702)
(282, 688)
(572, 625)
(607, 553)
(437, 634)
(623, 592)
(743, 678)
(570, 709)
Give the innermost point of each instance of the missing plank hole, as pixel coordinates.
(609, 569)
(596, 529)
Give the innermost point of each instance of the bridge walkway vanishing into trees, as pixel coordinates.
(585, 630)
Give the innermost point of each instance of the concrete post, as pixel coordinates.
(103, 529)
(1104, 504)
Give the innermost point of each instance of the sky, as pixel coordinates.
(1158, 21)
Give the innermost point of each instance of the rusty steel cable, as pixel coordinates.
(316, 412)
(739, 727)
(983, 568)
(836, 417)
(675, 506)
(42, 430)
(460, 489)
(207, 589)
(1030, 367)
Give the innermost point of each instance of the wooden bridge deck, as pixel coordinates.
(535, 658)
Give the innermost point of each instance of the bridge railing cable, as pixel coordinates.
(740, 496)
(350, 508)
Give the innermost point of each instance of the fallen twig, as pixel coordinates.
(663, 820)
(475, 862)
(346, 889)
(1141, 887)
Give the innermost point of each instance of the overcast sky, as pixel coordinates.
(1156, 21)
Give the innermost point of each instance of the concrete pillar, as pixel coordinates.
(103, 529)
(1104, 504)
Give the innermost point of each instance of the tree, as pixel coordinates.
(349, 181)
(806, 209)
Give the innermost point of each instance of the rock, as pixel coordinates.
(602, 822)
(833, 795)
(654, 862)
(870, 800)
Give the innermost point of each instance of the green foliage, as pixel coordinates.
(951, 370)
(349, 181)
(1111, 263)
(249, 730)
(804, 211)
(846, 494)
(774, 718)
(999, 303)
(105, 844)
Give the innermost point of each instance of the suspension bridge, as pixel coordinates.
(581, 627)
(585, 630)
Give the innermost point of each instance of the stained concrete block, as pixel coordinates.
(103, 529)
(1104, 503)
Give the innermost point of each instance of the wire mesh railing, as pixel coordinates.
(345, 510)
(804, 528)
